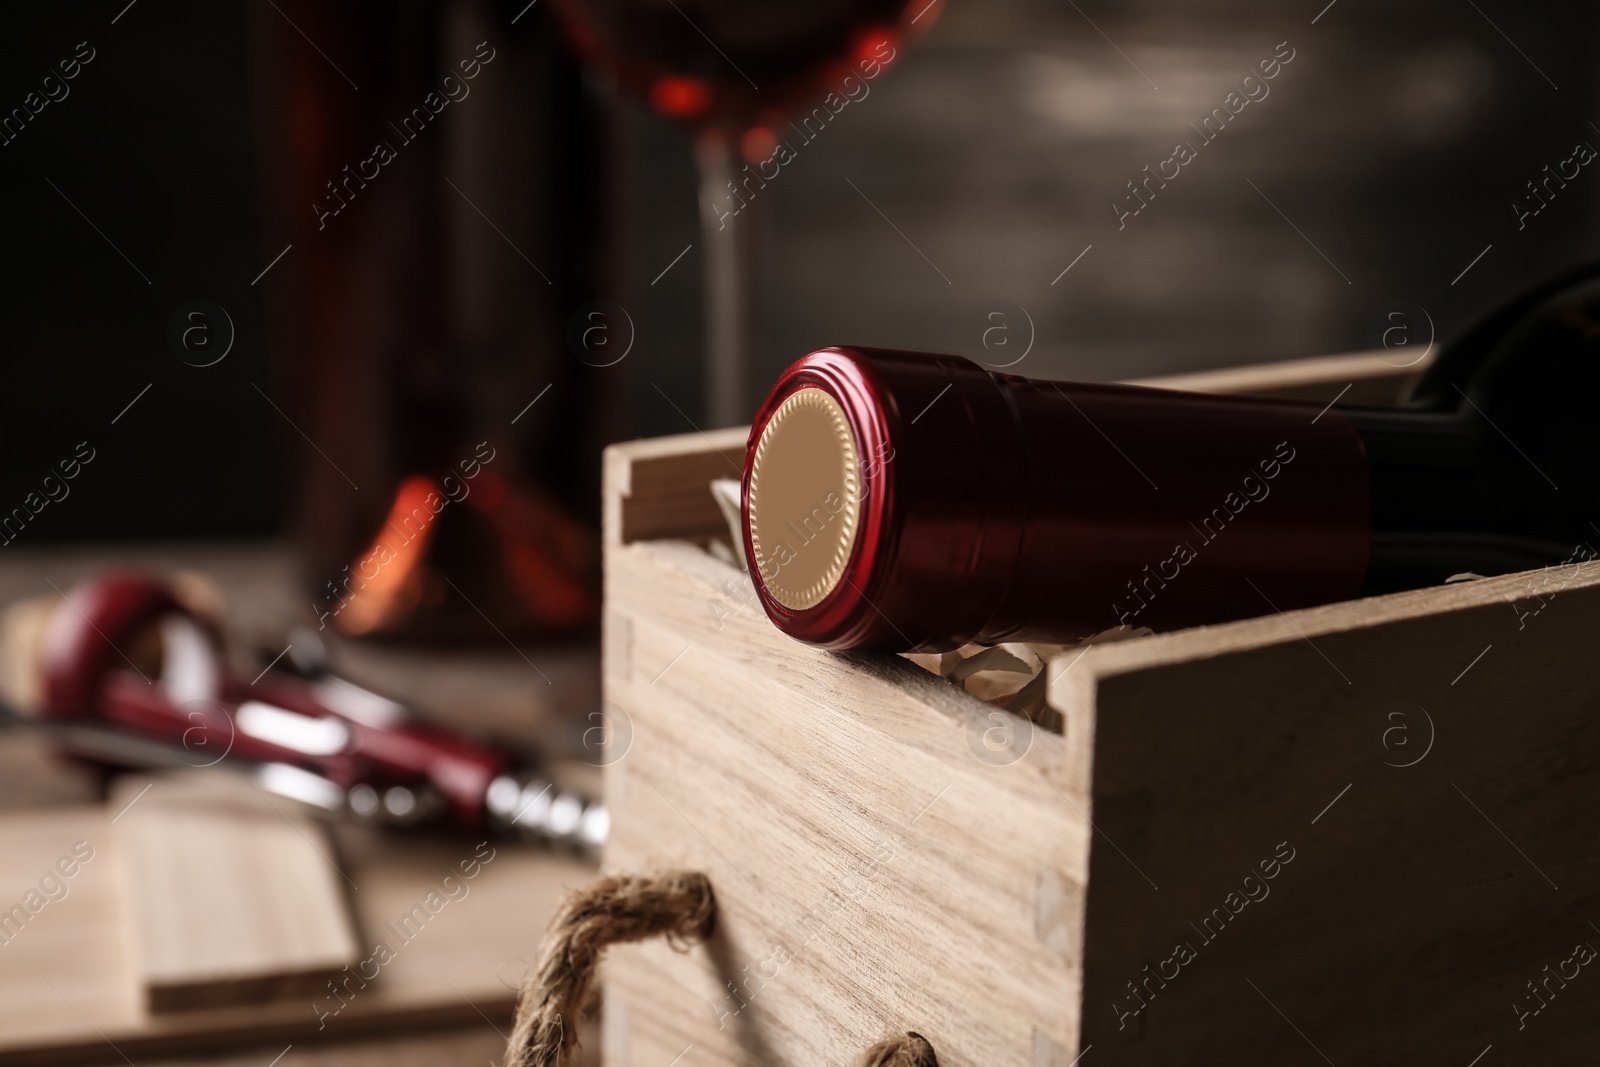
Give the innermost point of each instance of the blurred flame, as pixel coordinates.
(544, 557)
(384, 595)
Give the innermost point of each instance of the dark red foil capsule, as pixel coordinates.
(898, 501)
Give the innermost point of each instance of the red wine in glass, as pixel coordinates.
(733, 71)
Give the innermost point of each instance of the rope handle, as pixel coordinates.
(677, 905)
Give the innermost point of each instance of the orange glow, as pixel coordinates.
(379, 584)
(758, 144)
(871, 46)
(680, 98)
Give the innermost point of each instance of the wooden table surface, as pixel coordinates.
(490, 688)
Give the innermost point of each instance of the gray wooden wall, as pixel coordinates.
(1384, 158)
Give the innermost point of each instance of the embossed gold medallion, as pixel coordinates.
(805, 499)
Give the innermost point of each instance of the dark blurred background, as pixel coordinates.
(421, 320)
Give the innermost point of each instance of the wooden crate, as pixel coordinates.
(1349, 834)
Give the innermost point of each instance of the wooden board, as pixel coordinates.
(67, 986)
(831, 827)
(832, 800)
(1432, 757)
(1381, 378)
(230, 899)
(663, 488)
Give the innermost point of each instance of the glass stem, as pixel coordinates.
(729, 234)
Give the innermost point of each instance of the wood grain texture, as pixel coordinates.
(1372, 377)
(67, 986)
(833, 801)
(658, 488)
(1439, 868)
(229, 899)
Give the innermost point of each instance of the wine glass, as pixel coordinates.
(755, 80)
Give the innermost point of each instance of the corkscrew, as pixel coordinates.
(131, 676)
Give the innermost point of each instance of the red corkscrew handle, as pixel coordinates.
(186, 698)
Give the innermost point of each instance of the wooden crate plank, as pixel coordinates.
(1354, 378)
(660, 487)
(835, 794)
(1422, 898)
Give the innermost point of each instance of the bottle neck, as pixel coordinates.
(1451, 494)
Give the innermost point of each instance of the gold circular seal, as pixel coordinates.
(805, 499)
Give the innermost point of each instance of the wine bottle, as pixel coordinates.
(902, 501)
